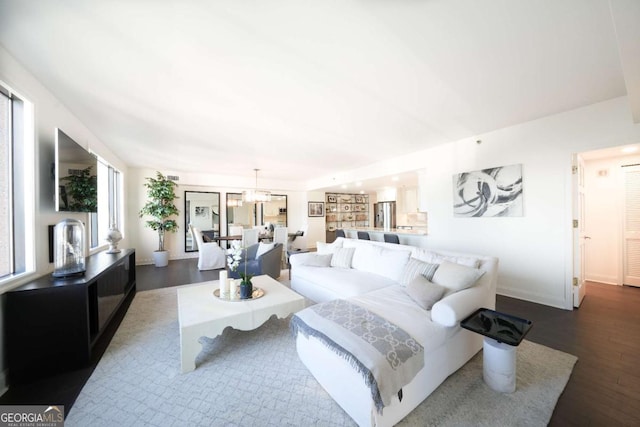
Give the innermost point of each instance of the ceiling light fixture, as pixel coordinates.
(255, 195)
(629, 149)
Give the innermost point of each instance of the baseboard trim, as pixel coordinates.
(531, 297)
(609, 280)
(148, 261)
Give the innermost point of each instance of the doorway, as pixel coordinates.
(612, 242)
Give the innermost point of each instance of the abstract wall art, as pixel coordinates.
(488, 192)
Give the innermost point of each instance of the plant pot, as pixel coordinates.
(161, 258)
(246, 289)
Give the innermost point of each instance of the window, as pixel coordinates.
(109, 204)
(16, 185)
(115, 195)
(6, 245)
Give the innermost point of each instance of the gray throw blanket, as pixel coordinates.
(387, 356)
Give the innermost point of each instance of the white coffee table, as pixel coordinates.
(200, 313)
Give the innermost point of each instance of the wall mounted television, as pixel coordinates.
(76, 176)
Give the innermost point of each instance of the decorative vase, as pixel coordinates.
(68, 244)
(113, 237)
(246, 289)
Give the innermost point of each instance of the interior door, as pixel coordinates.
(579, 237)
(631, 248)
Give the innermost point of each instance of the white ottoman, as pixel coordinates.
(499, 365)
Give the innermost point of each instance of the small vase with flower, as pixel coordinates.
(235, 253)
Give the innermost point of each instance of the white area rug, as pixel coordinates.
(255, 378)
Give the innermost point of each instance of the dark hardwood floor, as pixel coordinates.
(604, 333)
(604, 388)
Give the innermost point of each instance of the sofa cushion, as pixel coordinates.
(456, 277)
(415, 268)
(342, 257)
(431, 257)
(328, 248)
(424, 292)
(264, 248)
(379, 260)
(318, 260)
(332, 283)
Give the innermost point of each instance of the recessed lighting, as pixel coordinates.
(361, 191)
(358, 184)
(395, 178)
(629, 149)
(343, 186)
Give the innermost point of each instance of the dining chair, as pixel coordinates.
(249, 237)
(235, 230)
(363, 235)
(391, 238)
(210, 255)
(280, 235)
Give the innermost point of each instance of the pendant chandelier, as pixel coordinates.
(255, 195)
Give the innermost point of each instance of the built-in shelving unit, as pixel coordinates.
(346, 211)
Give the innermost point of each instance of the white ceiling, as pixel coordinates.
(306, 89)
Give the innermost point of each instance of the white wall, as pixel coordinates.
(604, 209)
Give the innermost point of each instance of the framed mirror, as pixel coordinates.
(239, 213)
(202, 210)
(275, 212)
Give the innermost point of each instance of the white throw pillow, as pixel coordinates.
(456, 277)
(424, 292)
(342, 257)
(365, 257)
(461, 260)
(328, 248)
(431, 257)
(415, 268)
(263, 248)
(318, 260)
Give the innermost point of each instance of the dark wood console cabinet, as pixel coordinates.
(52, 325)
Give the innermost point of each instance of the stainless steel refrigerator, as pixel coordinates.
(384, 215)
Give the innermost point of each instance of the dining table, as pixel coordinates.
(263, 237)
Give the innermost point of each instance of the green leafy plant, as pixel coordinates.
(82, 187)
(161, 194)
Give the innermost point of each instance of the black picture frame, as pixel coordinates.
(316, 209)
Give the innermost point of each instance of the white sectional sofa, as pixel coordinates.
(382, 277)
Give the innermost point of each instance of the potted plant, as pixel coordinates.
(161, 194)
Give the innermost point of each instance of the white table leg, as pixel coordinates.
(499, 365)
(189, 348)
